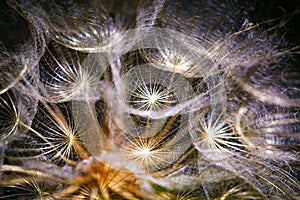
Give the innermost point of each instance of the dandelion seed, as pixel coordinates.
(268, 130)
(66, 78)
(10, 116)
(232, 189)
(32, 186)
(17, 62)
(54, 137)
(76, 26)
(15, 109)
(215, 139)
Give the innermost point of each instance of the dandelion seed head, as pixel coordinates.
(201, 107)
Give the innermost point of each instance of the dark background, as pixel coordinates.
(14, 29)
(271, 9)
